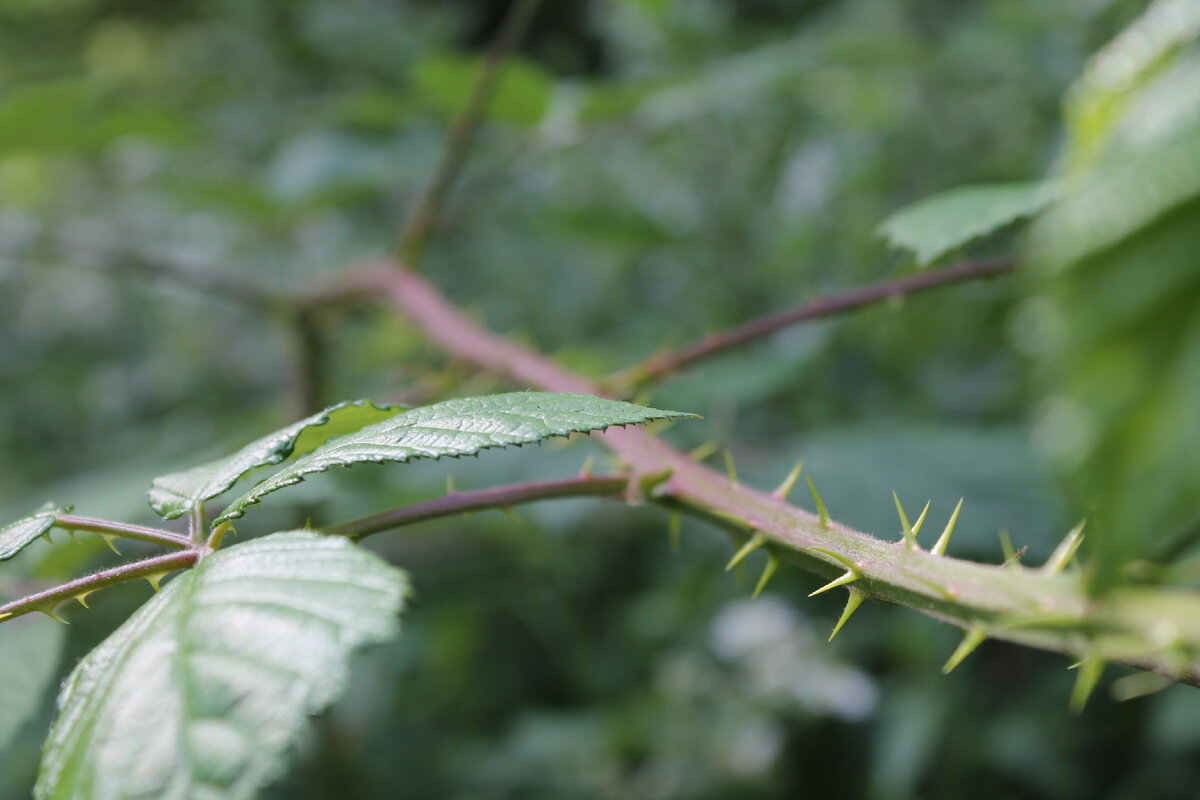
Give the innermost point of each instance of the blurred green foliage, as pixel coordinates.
(657, 169)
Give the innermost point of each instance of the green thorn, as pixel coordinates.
(921, 520)
(674, 524)
(108, 540)
(972, 639)
(49, 540)
(82, 598)
(910, 541)
(822, 512)
(703, 451)
(1137, 685)
(939, 547)
(1006, 546)
(785, 488)
(5, 615)
(730, 469)
(753, 543)
(853, 601)
(1065, 551)
(155, 580)
(586, 470)
(52, 614)
(845, 561)
(508, 512)
(850, 577)
(74, 538)
(767, 573)
(1090, 670)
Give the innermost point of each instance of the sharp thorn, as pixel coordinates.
(1090, 670)
(5, 615)
(49, 539)
(916, 528)
(939, 547)
(586, 470)
(82, 598)
(904, 526)
(730, 469)
(767, 573)
(155, 580)
(753, 543)
(849, 577)
(50, 612)
(1006, 546)
(785, 488)
(703, 451)
(822, 512)
(674, 524)
(108, 540)
(1065, 551)
(971, 639)
(74, 538)
(853, 601)
(512, 515)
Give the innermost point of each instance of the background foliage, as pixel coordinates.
(657, 169)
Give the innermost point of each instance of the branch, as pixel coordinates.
(498, 497)
(418, 226)
(150, 568)
(663, 364)
(105, 527)
(1150, 628)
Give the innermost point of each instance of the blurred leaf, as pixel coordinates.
(16, 536)
(936, 225)
(458, 428)
(444, 83)
(29, 654)
(1117, 286)
(176, 494)
(203, 692)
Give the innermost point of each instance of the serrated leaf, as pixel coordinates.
(943, 222)
(204, 691)
(174, 495)
(457, 428)
(16, 536)
(29, 653)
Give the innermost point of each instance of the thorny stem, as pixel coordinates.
(418, 226)
(1150, 628)
(48, 599)
(498, 497)
(663, 364)
(71, 522)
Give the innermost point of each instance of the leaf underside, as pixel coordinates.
(16, 536)
(935, 225)
(457, 428)
(205, 690)
(174, 495)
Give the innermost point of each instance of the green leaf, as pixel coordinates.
(205, 690)
(178, 493)
(29, 652)
(457, 428)
(1112, 319)
(445, 82)
(16, 536)
(936, 225)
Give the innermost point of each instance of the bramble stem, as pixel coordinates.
(663, 364)
(72, 522)
(498, 497)
(48, 599)
(418, 226)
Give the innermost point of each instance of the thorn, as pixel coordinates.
(850, 576)
(49, 539)
(648, 485)
(838, 557)
(767, 573)
(937, 587)
(1006, 547)
(939, 547)
(920, 520)
(155, 580)
(1065, 551)
(74, 538)
(108, 540)
(586, 471)
(972, 639)
(1137, 685)
(785, 488)
(703, 451)
(5, 615)
(753, 543)
(730, 469)
(50, 612)
(450, 485)
(1090, 670)
(822, 512)
(853, 601)
(82, 598)
(910, 540)
(674, 524)
(513, 515)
